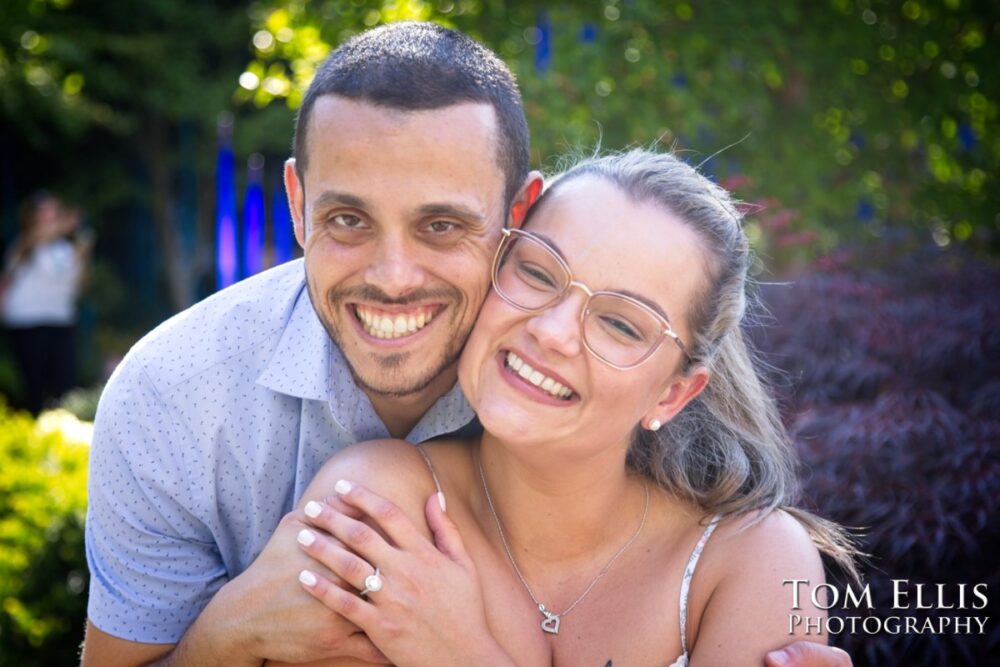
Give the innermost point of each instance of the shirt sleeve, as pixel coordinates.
(153, 564)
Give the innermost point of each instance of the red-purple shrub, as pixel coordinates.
(890, 388)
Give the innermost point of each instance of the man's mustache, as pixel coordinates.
(372, 294)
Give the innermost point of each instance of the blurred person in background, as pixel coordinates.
(42, 276)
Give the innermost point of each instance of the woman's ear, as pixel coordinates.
(681, 391)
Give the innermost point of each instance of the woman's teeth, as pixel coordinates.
(537, 378)
(392, 325)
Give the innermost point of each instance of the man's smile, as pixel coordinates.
(379, 322)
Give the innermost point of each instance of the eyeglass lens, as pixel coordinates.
(531, 276)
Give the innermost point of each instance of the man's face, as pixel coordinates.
(398, 215)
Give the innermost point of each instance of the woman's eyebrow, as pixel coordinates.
(635, 295)
(649, 302)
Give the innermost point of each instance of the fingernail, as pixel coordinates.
(307, 578)
(342, 486)
(441, 502)
(306, 537)
(779, 657)
(312, 509)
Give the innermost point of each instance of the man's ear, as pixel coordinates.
(296, 200)
(525, 199)
(677, 395)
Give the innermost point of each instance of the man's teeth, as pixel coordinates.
(537, 378)
(392, 325)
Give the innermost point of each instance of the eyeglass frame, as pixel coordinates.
(665, 332)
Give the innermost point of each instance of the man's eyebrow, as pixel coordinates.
(635, 295)
(334, 198)
(453, 210)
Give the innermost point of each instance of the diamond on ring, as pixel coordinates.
(373, 583)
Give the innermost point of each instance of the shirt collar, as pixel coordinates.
(308, 365)
(299, 365)
(352, 409)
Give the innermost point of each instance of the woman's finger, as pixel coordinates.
(446, 536)
(349, 605)
(348, 566)
(358, 537)
(385, 513)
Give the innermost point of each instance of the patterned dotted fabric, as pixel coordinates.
(206, 435)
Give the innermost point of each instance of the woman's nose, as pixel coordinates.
(558, 327)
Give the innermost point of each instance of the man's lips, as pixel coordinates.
(542, 381)
(392, 322)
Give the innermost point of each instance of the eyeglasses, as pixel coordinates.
(621, 331)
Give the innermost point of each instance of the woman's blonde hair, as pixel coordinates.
(727, 450)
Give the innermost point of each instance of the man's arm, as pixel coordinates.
(153, 565)
(103, 650)
(159, 588)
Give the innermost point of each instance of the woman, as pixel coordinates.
(41, 280)
(628, 501)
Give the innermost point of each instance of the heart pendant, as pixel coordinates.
(551, 622)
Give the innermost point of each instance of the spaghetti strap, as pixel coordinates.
(686, 585)
(430, 466)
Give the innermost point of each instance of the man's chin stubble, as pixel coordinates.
(393, 363)
(390, 362)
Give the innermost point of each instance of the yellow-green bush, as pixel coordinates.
(43, 570)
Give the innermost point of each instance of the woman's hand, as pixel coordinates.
(429, 610)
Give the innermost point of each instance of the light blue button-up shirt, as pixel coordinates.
(206, 435)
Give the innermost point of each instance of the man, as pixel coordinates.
(411, 153)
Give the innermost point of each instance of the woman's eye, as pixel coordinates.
(347, 221)
(536, 276)
(621, 327)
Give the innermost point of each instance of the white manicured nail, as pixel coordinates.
(342, 486)
(306, 537)
(307, 578)
(441, 502)
(312, 509)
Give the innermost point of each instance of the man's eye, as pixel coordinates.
(347, 221)
(442, 226)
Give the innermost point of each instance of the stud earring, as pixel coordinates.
(655, 424)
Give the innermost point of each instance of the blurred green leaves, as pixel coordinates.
(43, 572)
(860, 114)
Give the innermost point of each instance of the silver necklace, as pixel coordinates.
(550, 621)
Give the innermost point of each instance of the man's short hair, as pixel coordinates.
(418, 66)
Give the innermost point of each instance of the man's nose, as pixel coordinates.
(396, 266)
(558, 327)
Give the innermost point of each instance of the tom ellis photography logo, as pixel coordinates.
(910, 603)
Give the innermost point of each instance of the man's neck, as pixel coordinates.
(401, 413)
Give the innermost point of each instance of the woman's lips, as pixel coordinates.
(530, 378)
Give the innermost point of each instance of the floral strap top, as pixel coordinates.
(686, 585)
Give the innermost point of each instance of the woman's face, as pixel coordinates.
(609, 242)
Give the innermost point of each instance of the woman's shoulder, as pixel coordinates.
(394, 469)
(742, 602)
(760, 541)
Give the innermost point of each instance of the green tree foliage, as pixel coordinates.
(43, 572)
(856, 113)
(110, 102)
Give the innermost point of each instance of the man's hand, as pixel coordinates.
(264, 614)
(808, 654)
